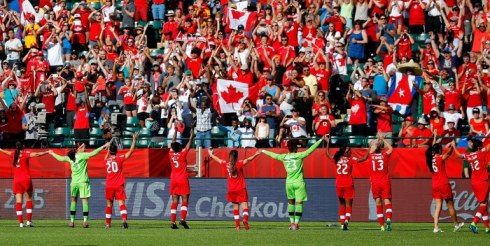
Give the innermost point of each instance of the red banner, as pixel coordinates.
(404, 163)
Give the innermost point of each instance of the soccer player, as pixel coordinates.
(344, 184)
(295, 183)
(22, 181)
(441, 189)
(115, 182)
(237, 188)
(479, 178)
(179, 180)
(380, 180)
(80, 183)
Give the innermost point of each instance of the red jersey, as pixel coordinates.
(477, 161)
(439, 176)
(95, 31)
(236, 182)
(438, 126)
(170, 30)
(452, 97)
(379, 162)
(48, 98)
(358, 111)
(179, 164)
(21, 169)
(194, 65)
(128, 96)
(479, 126)
(429, 100)
(71, 104)
(81, 120)
(324, 127)
(421, 135)
(115, 176)
(322, 77)
(264, 52)
(343, 175)
(384, 120)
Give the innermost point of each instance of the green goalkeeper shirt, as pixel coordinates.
(79, 173)
(293, 162)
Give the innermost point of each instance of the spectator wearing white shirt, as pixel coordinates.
(297, 126)
(247, 134)
(13, 48)
(55, 52)
(107, 10)
(451, 115)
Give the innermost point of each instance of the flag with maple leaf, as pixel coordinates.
(231, 94)
(402, 91)
(245, 18)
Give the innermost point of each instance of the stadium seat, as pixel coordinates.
(119, 5)
(69, 143)
(143, 143)
(128, 132)
(336, 141)
(158, 142)
(337, 130)
(396, 128)
(155, 52)
(126, 142)
(94, 123)
(356, 141)
(95, 132)
(421, 38)
(96, 142)
(96, 5)
(347, 130)
(132, 122)
(144, 133)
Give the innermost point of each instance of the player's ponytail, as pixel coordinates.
(339, 153)
(71, 154)
(18, 148)
(233, 160)
(430, 153)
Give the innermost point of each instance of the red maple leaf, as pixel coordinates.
(237, 14)
(232, 95)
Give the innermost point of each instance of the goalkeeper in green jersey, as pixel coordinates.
(80, 183)
(295, 183)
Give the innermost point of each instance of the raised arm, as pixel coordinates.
(5, 152)
(458, 154)
(274, 155)
(387, 144)
(93, 153)
(39, 154)
(59, 157)
(210, 152)
(250, 159)
(133, 145)
(306, 153)
(190, 139)
(328, 148)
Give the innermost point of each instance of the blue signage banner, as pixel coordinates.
(149, 199)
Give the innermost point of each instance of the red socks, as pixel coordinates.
(348, 212)
(236, 216)
(341, 214)
(29, 211)
(389, 211)
(379, 214)
(108, 214)
(245, 214)
(173, 212)
(124, 212)
(183, 210)
(480, 213)
(18, 209)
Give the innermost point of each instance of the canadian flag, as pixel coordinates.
(402, 90)
(230, 95)
(26, 10)
(244, 18)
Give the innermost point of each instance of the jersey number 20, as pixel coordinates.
(112, 167)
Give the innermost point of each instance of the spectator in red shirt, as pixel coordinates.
(81, 126)
(358, 115)
(194, 62)
(170, 28)
(450, 133)
(14, 119)
(421, 135)
(384, 113)
(141, 12)
(95, 28)
(323, 122)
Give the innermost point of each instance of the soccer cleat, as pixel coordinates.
(85, 224)
(344, 226)
(292, 227)
(107, 226)
(382, 228)
(184, 224)
(125, 224)
(388, 225)
(458, 226)
(72, 224)
(21, 225)
(296, 227)
(437, 230)
(174, 226)
(29, 224)
(487, 230)
(473, 228)
(237, 228)
(245, 223)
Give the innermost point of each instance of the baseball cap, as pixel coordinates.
(475, 111)
(78, 75)
(188, 72)
(409, 118)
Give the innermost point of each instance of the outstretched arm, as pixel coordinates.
(328, 148)
(214, 157)
(274, 155)
(190, 139)
(59, 157)
(93, 153)
(448, 153)
(248, 160)
(5, 152)
(133, 144)
(39, 154)
(306, 153)
(458, 154)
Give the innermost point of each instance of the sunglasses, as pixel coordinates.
(382, 18)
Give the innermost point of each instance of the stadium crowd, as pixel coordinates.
(321, 67)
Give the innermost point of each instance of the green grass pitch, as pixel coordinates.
(142, 232)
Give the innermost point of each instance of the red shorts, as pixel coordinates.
(442, 192)
(117, 192)
(381, 190)
(237, 196)
(346, 192)
(141, 13)
(481, 191)
(180, 187)
(22, 186)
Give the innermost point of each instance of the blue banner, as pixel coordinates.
(149, 199)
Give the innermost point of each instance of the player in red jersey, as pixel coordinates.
(344, 183)
(479, 178)
(22, 180)
(179, 180)
(441, 189)
(115, 181)
(237, 188)
(380, 180)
